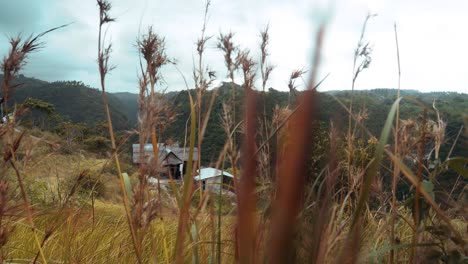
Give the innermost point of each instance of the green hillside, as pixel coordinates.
(77, 102)
(377, 103)
(128, 106)
(73, 101)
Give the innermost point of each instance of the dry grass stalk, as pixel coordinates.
(265, 67)
(246, 226)
(229, 128)
(27, 208)
(361, 61)
(291, 174)
(265, 71)
(227, 46)
(201, 85)
(5, 211)
(104, 68)
(296, 74)
(154, 111)
(422, 147)
(203, 78)
(439, 132)
(396, 170)
(16, 59)
(11, 65)
(232, 63)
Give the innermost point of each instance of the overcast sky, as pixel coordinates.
(432, 36)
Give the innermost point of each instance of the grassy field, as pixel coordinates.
(83, 231)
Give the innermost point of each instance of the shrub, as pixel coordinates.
(97, 144)
(92, 182)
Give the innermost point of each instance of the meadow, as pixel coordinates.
(305, 191)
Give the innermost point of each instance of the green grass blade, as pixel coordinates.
(427, 196)
(353, 235)
(187, 190)
(374, 166)
(194, 234)
(128, 185)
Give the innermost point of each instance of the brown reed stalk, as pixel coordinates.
(246, 227)
(201, 84)
(11, 65)
(184, 213)
(104, 68)
(285, 120)
(396, 170)
(198, 123)
(232, 63)
(351, 247)
(417, 192)
(5, 227)
(52, 228)
(322, 213)
(154, 111)
(296, 74)
(143, 127)
(450, 154)
(27, 206)
(265, 71)
(16, 59)
(231, 150)
(361, 61)
(414, 181)
(151, 106)
(292, 168)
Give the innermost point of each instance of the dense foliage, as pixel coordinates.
(73, 100)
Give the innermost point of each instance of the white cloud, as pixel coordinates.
(431, 35)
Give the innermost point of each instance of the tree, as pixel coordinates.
(40, 112)
(72, 132)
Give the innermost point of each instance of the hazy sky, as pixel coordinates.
(432, 36)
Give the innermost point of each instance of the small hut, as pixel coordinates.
(214, 179)
(172, 159)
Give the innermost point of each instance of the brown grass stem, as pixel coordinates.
(104, 68)
(396, 170)
(27, 208)
(291, 174)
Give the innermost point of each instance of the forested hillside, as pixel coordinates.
(79, 103)
(376, 103)
(73, 101)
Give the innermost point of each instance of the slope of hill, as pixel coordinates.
(128, 106)
(73, 101)
(377, 102)
(77, 102)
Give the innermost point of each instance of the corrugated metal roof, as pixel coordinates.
(206, 173)
(183, 153)
(176, 154)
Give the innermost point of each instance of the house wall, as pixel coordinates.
(213, 184)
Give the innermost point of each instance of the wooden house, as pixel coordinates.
(172, 159)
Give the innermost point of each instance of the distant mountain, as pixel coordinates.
(78, 102)
(73, 101)
(452, 106)
(128, 106)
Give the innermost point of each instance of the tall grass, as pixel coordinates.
(396, 170)
(12, 64)
(281, 212)
(104, 51)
